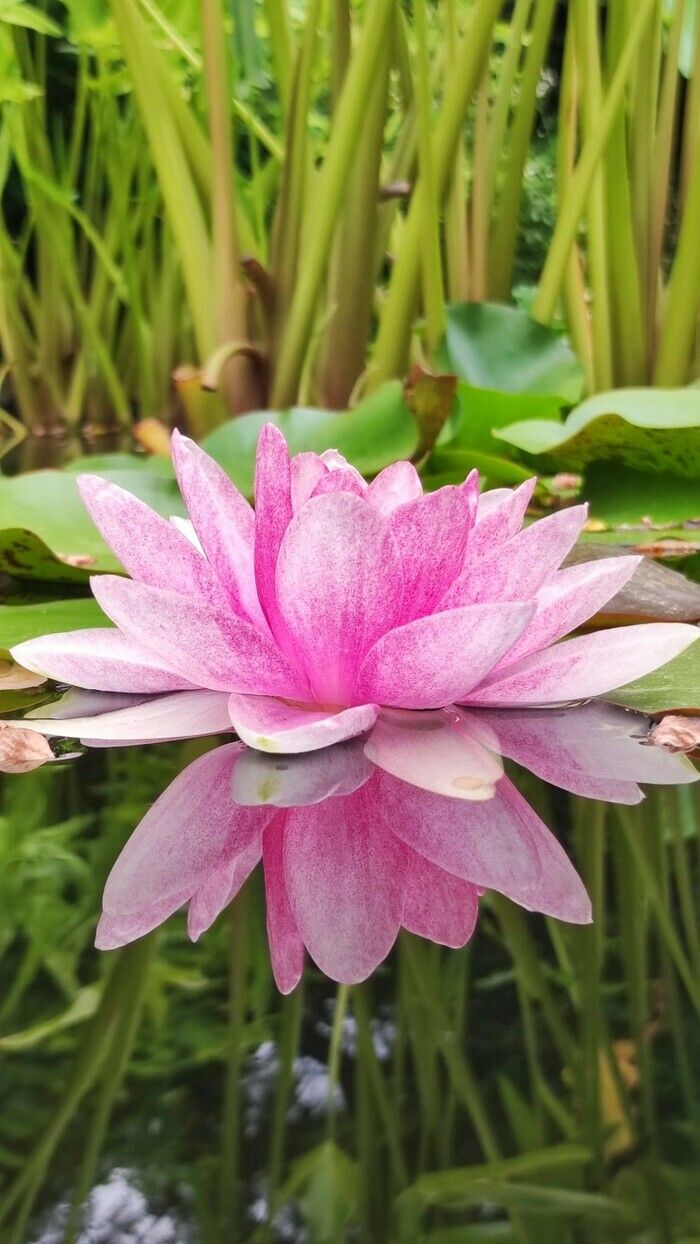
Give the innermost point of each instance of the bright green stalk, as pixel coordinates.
(342, 996)
(505, 231)
(282, 51)
(456, 232)
(340, 45)
(500, 111)
(179, 191)
(352, 276)
(643, 127)
(625, 292)
(661, 178)
(479, 221)
(292, 1015)
(586, 23)
(678, 335)
(572, 210)
(328, 196)
(239, 385)
(395, 326)
(433, 293)
(691, 127)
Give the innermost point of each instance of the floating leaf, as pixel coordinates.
(647, 429)
(501, 348)
(451, 466)
(378, 431)
(654, 593)
(675, 687)
(20, 622)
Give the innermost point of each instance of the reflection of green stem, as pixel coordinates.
(230, 1141)
(116, 1064)
(292, 1014)
(366, 1055)
(334, 1051)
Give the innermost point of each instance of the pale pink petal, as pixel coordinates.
(589, 665)
(568, 600)
(436, 904)
(276, 726)
(596, 750)
(395, 485)
(182, 715)
(286, 946)
(101, 659)
(306, 470)
(431, 535)
(214, 649)
(221, 887)
(342, 479)
(338, 589)
(436, 660)
(426, 750)
(191, 830)
(224, 522)
(558, 891)
(480, 842)
(76, 702)
(334, 460)
(149, 547)
(298, 781)
(345, 876)
(115, 931)
(516, 569)
(273, 514)
(500, 514)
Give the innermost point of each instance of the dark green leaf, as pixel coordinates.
(501, 348)
(675, 685)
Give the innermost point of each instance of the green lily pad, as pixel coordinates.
(46, 533)
(451, 465)
(20, 622)
(481, 412)
(650, 430)
(378, 431)
(502, 349)
(675, 686)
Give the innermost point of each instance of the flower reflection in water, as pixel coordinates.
(406, 827)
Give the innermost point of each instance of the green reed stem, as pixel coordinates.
(230, 1174)
(334, 1052)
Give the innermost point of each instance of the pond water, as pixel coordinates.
(492, 1066)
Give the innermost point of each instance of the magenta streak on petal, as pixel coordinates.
(273, 514)
(216, 650)
(99, 659)
(225, 525)
(431, 535)
(434, 661)
(286, 946)
(339, 587)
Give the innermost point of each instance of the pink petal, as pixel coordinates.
(149, 547)
(342, 479)
(183, 715)
(221, 887)
(224, 522)
(338, 589)
(286, 946)
(480, 842)
(434, 661)
(596, 750)
(273, 514)
(426, 750)
(431, 535)
(558, 891)
(437, 905)
(587, 666)
(516, 569)
(345, 878)
(298, 781)
(212, 648)
(570, 598)
(101, 659)
(395, 485)
(276, 726)
(190, 831)
(306, 470)
(500, 513)
(115, 931)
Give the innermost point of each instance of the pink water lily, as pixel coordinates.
(335, 598)
(406, 829)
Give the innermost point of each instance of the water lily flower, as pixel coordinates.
(406, 829)
(335, 598)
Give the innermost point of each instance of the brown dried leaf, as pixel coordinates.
(22, 750)
(675, 733)
(430, 398)
(153, 436)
